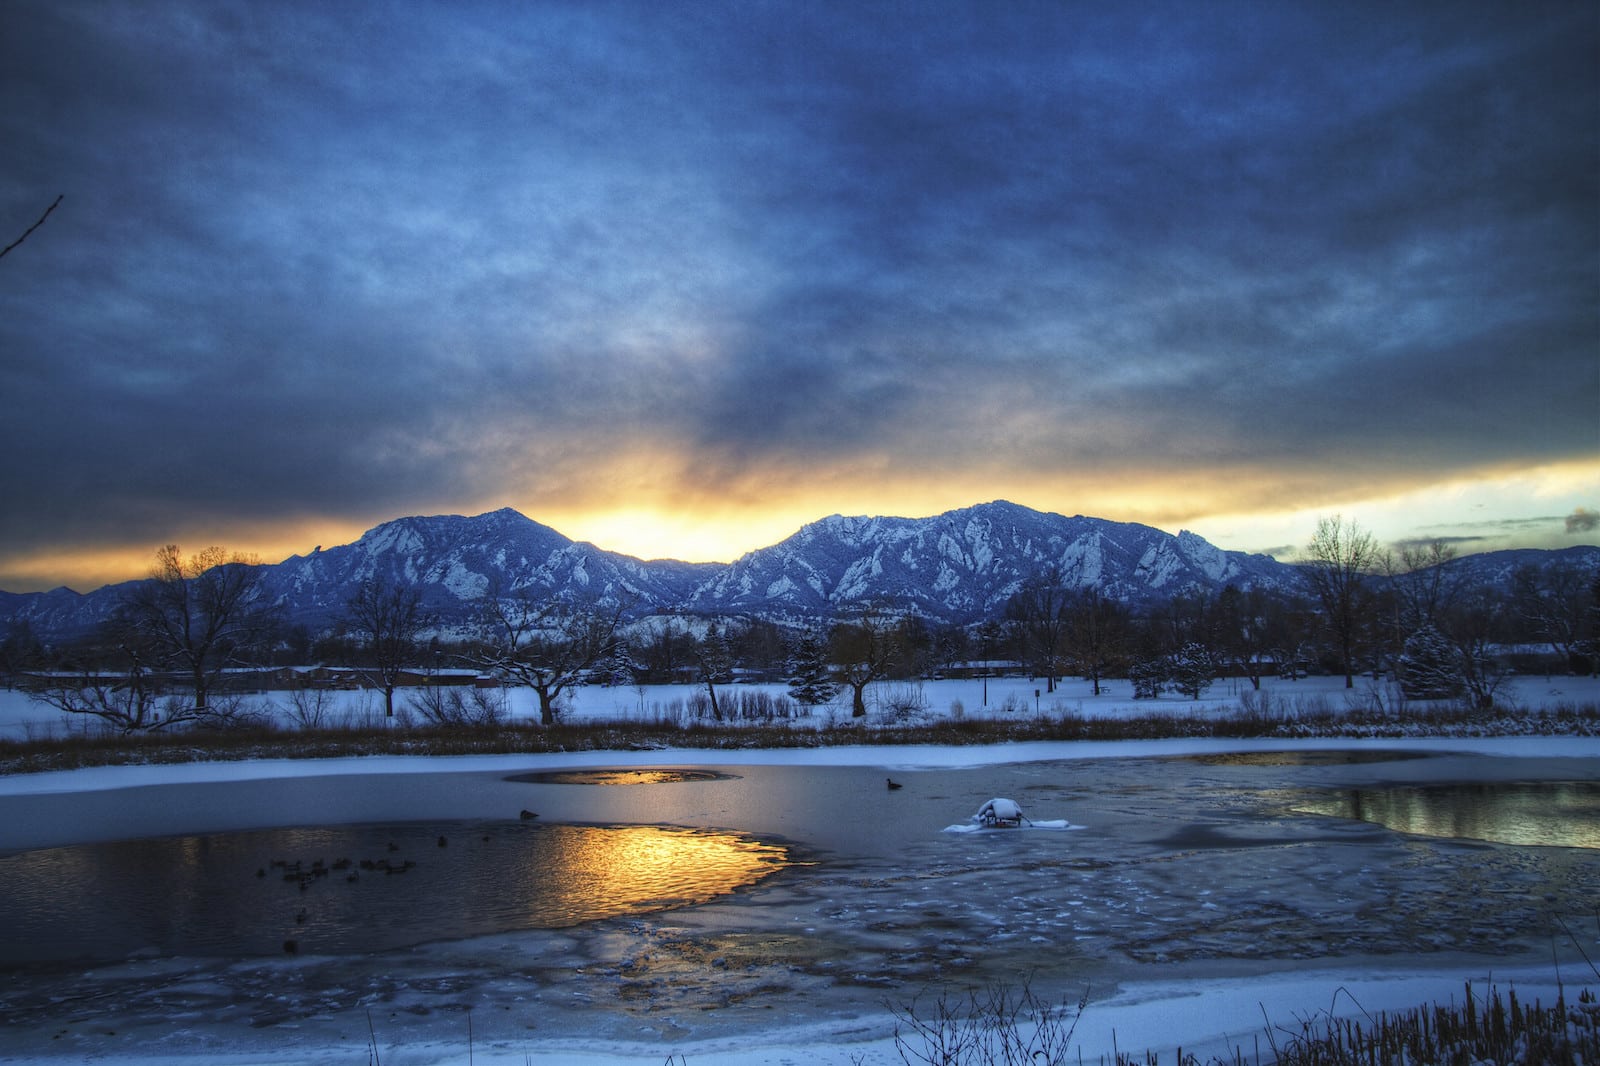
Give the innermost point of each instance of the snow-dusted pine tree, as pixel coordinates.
(811, 679)
(1193, 668)
(715, 659)
(1429, 667)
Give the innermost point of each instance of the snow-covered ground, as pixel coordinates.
(22, 717)
(1193, 901)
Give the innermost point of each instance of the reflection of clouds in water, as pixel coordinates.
(1556, 814)
(1301, 757)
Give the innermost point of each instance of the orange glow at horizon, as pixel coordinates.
(719, 521)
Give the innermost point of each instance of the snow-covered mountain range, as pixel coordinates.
(962, 566)
(958, 567)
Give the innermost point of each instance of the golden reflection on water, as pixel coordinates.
(1550, 814)
(632, 869)
(645, 775)
(650, 775)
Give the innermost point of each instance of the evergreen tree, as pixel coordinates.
(811, 679)
(1193, 668)
(714, 657)
(1429, 667)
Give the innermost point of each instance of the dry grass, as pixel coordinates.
(1001, 1026)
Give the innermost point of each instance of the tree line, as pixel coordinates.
(167, 656)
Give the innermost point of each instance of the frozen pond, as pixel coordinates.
(851, 893)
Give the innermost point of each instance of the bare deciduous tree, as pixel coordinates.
(1422, 583)
(386, 619)
(20, 652)
(1096, 629)
(125, 698)
(1339, 561)
(1475, 624)
(862, 650)
(664, 646)
(1039, 615)
(548, 646)
(1244, 631)
(1556, 600)
(199, 614)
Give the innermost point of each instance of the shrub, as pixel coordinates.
(457, 706)
(997, 1024)
(903, 702)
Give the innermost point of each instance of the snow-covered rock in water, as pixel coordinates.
(999, 811)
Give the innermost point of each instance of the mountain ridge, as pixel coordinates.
(958, 567)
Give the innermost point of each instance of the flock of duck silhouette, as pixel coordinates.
(298, 872)
(303, 874)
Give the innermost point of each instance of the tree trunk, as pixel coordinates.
(858, 701)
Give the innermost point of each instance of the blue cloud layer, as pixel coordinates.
(367, 259)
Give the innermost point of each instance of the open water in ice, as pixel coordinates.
(834, 893)
(354, 889)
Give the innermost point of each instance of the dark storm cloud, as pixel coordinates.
(366, 259)
(1582, 521)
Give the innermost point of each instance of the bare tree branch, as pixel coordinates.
(29, 231)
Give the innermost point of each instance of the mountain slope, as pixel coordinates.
(455, 561)
(959, 567)
(964, 565)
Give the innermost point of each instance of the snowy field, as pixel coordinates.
(22, 717)
(1192, 898)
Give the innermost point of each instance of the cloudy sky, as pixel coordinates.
(678, 278)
